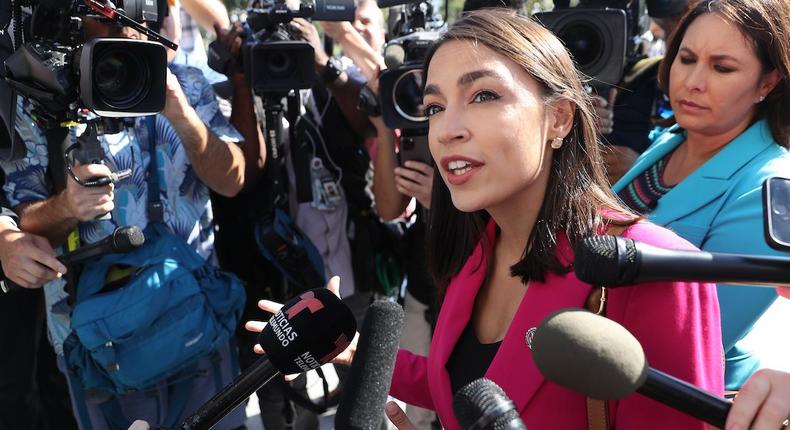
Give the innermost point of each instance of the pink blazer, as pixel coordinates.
(677, 324)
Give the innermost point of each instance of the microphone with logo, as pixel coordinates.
(368, 384)
(483, 405)
(308, 331)
(615, 261)
(599, 358)
(122, 240)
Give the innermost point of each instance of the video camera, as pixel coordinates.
(61, 74)
(400, 85)
(272, 60)
(603, 36)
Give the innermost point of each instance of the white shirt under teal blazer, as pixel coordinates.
(719, 208)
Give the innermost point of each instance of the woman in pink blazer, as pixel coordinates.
(512, 134)
(513, 137)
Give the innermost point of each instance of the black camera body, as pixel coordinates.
(272, 60)
(400, 85)
(61, 74)
(601, 35)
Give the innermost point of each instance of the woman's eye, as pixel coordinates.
(484, 96)
(723, 69)
(431, 110)
(686, 60)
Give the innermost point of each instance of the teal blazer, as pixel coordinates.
(719, 208)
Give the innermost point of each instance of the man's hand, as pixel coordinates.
(604, 111)
(28, 260)
(87, 203)
(763, 403)
(176, 102)
(230, 38)
(397, 417)
(415, 180)
(335, 29)
(303, 30)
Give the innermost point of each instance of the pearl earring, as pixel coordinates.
(760, 100)
(556, 143)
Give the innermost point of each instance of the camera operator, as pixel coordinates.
(628, 115)
(192, 16)
(198, 151)
(363, 40)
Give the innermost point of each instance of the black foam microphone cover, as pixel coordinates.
(368, 383)
(310, 330)
(483, 405)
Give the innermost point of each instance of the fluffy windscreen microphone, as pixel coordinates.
(310, 330)
(368, 383)
(483, 405)
(599, 358)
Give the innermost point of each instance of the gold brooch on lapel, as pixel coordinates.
(528, 337)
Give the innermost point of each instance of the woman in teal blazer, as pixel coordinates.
(703, 177)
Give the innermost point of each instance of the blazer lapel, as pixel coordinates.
(712, 179)
(455, 313)
(513, 368)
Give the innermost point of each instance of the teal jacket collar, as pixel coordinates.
(706, 183)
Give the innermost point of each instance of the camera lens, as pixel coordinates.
(120, 78)
(584, 42)
(279, 64)
(407, 95)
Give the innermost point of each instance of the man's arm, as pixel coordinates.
(243, 116)
(220, 165)
(344, 90)
(369, 61)
(55, 217)
(207, 13)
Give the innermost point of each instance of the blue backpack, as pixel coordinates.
(174, 309)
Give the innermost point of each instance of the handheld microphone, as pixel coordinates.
(368, 383)
(308, 331)
(615, 261)
(614, 365)
(122, 240)
(483, 405)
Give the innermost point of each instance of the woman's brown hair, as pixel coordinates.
(577, 189)
(766, 23)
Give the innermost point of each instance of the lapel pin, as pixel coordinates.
(529, 335)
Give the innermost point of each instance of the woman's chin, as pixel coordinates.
(467, 204)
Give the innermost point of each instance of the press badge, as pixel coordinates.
(327, 194)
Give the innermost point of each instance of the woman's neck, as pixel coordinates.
(516, 218)
(701, 146)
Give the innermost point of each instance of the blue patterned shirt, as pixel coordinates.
(185, 198)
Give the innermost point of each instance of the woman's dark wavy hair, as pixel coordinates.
(577, 189)
(766, 23)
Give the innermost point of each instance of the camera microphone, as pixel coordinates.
(615, 261)
(483, 405)
(599, 358)
(122, 240)
(310, 330)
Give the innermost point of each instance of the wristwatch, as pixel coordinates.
(332, 71)
(368, 102)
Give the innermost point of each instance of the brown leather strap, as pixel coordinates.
(597, 415)
(597, 410)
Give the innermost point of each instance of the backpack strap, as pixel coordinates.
(597, 410)
(155, 208)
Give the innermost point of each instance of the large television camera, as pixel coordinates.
(603, 36)
(400, 85)
(273, 61)
(63, 76)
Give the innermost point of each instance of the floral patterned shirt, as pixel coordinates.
(185, 198)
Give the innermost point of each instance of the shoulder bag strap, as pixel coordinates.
(597, 410)
(155, 209)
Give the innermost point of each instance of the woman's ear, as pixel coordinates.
(560, 114)
(769, 82)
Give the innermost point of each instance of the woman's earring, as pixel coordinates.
(556, 143)
(760, 100)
